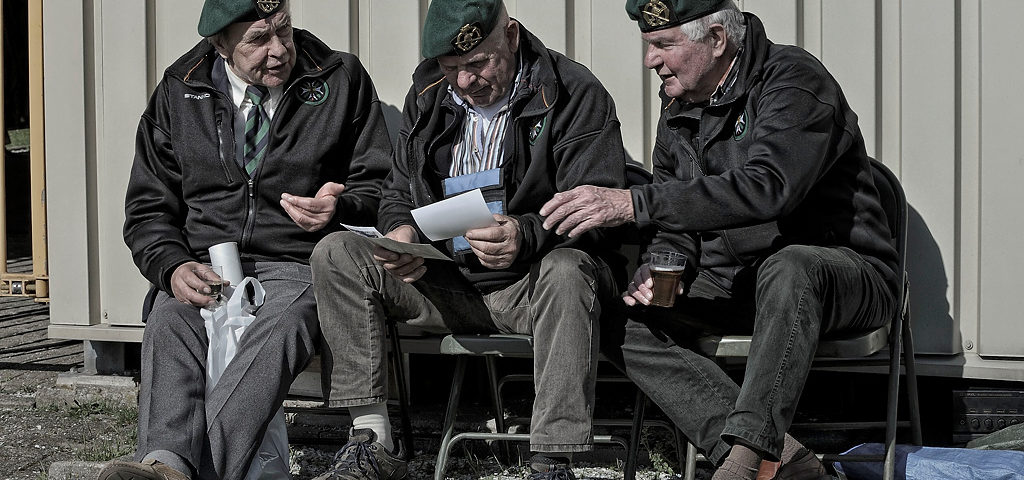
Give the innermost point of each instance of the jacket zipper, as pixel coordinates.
(250, 213)
(220, 148)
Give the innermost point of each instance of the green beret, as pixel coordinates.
(658, 14)
(455, 27)
(218, 14)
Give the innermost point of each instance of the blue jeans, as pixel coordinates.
(800, 293)
(557, 302)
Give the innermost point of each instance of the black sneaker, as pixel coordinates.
(546, 468)
(363, 458)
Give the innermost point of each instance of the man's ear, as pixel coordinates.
(217, 40)
(512, 35)
(718, 39)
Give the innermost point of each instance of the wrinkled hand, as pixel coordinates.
(312, 214)
(405, 267)
(640, 290)
(188, 288)
(497, 246)
(586, 207)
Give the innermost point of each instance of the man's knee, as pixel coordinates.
(339, 250)
(791, 267)
(565, 267)
(171, 319)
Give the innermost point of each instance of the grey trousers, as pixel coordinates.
(558, 302)
(801, 293)
(219, 435)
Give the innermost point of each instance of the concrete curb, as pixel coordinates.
(74, 470)
(73, 389)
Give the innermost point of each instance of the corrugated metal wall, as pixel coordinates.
(932, 81)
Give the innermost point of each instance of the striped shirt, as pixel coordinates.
(481, 145)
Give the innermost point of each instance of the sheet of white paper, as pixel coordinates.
(453, 216)
(417, 249)
(370, 232)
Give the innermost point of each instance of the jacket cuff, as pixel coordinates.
(641, 209)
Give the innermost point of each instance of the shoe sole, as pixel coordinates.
(123, 471)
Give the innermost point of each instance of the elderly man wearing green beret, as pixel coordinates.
(263, 136)
(763, 182)
(492, 109)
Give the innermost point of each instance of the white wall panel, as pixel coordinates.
(67, 208)
(616, 58)
(544, 18)
(848, 50)
(330, 20)
(389, 48)
(175, 25)
(929, 164)
(1002, 170)
(779, 17)
(119, 82)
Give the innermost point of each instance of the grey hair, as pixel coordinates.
(730, 17)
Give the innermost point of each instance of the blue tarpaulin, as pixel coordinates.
(933, 463)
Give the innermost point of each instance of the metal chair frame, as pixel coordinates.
(490, 347)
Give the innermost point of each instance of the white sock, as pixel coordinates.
(374, 417)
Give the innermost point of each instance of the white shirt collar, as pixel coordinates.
(241, 101)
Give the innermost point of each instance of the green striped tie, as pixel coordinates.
(257, 125)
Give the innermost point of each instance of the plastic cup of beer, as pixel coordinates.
(666, 269)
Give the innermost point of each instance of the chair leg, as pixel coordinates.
(909, 364)
(892, 401)
(449, 417)
(691, 462)
(682, 455)
(629, 471)
(403, 392)
(499, 409)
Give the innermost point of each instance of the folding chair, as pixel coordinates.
(858, 349)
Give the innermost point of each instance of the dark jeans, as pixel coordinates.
(557, 302)
(801, 293)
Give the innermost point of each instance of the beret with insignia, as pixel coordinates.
(659, 14)
(218, 14)
(455, 27)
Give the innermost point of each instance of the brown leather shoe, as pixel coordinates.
(147, 470)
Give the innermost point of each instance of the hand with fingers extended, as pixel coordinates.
(641, 289)
(586, 207)
(188, 287)
(407, 268)
(497, 246)
(312, 214)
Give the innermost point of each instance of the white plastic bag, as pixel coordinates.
(224, 328)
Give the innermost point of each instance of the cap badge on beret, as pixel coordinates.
(656, 13)
(268, 6)
(468, 37)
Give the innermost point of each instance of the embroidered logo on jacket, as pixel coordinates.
(312, 91)
(740, 130)
(537, 129)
